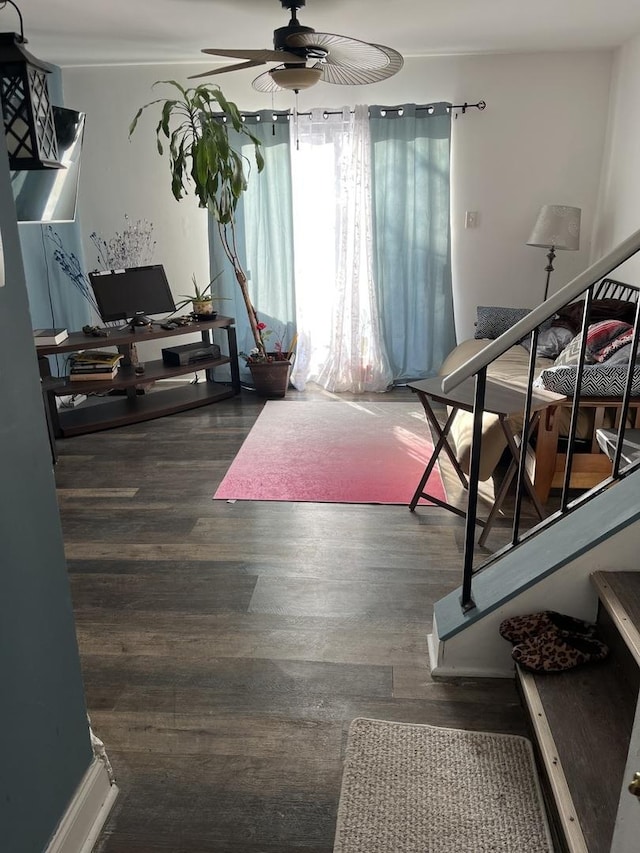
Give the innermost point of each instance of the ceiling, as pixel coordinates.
(77, 32)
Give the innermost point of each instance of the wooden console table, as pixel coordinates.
(109, 411)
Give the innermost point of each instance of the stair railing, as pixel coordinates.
(476, 366)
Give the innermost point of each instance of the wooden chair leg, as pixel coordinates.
(546, 453)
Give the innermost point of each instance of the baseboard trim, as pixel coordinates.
(87, 812)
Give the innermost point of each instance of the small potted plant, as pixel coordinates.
(201, 300)
(270, 370)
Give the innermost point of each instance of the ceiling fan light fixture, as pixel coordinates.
(295, 78)
(306, 56)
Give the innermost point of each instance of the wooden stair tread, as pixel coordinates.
(589, 713)
(583, 719)
(619, 593)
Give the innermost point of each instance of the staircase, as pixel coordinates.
(550, 570)
(583, 561)
(585, 722)
(586, 729)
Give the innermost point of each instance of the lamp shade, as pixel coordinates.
(558, 227)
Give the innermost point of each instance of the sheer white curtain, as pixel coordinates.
(340, 344)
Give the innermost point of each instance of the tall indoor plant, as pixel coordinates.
(197, 124)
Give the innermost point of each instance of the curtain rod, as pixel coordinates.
(481, 105)
(463, 107)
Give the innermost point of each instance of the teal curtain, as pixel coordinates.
(265, 238)
(54, 300)
(411, 231)
(411, 190)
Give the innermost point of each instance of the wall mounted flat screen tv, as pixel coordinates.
(51, 195)
(132, 294)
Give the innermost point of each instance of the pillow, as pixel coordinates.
(493, 321)
(622, 340)
(570, 317)
(551, 342)
(598, 380)
(600, 334)
(622, 355)
(571, 353)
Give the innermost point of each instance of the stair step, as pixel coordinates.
(582, 721)
(619, 593)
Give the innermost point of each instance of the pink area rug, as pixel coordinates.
(334, 452)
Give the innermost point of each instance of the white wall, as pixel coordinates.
(619, 210)
(539, 141)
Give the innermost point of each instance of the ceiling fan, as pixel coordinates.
(306, 57)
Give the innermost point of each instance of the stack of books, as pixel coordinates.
(92, 365)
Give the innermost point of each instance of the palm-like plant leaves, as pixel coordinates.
(196, 125)
(197, 132)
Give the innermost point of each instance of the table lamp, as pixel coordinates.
(557, 227)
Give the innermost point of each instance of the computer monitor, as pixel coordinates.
(131, 294)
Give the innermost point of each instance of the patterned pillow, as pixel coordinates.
(493, 321)
(571, 353)
(602, 333)
(624, 339)
(598, 380)
(599, 335)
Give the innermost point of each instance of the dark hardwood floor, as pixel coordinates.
(226, 647)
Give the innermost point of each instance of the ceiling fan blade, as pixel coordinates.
(342, 50)
(355, 75)
(249, 64)
(396, 60)
(256, 55)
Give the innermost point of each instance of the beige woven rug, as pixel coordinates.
(419, 789)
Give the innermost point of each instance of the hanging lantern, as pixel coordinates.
(26, 109)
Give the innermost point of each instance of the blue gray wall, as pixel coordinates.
(44, 740)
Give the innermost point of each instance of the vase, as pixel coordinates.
(271, 378)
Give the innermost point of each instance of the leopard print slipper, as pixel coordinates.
(556, 651)
(519, 628)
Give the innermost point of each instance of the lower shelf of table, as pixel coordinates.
(107, 412)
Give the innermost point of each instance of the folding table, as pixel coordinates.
(501, 399)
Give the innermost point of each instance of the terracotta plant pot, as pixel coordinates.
(271, 378)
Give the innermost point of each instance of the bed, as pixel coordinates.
(607, 353)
